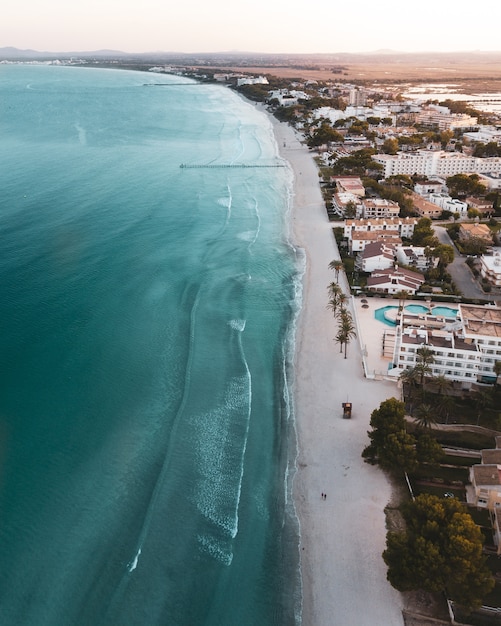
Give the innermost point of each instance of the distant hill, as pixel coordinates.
(263, 59)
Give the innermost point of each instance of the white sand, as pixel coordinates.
(344, 576)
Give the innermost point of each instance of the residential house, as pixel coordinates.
(341, 200)
(425, 187)
(484, 207)
(393, 280)
(446, 203)
(475, 231)
(425, 208)
(485, 492)
(349, 184)
(375, 256)
(416, 257)
(490, 267)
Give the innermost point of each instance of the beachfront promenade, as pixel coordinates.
(344, 534)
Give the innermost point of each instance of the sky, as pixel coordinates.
(273, 26)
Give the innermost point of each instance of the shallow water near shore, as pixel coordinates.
(146, 426)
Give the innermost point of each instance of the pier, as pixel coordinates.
(227, 165)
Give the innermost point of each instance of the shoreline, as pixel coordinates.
(343, 536)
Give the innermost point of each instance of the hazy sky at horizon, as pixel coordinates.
(259, 26)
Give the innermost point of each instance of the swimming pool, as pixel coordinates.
(385, 313)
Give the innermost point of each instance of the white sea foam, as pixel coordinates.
(238, 324)
(248, 235)
(215, 549)
(133, 564)
(82, 134)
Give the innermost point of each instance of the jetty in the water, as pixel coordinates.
(225, 165)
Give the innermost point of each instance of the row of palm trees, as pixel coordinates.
(337, 304)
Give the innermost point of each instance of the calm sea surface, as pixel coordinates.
(147, 331)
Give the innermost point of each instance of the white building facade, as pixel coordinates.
(465, 348)
(431, 163)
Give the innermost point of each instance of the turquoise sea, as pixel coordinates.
(147, 313)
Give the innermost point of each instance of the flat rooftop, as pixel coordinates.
(481, 320)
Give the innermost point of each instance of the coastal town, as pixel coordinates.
(411, 191)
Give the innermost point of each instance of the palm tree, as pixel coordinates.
(497, 370)
(346, 329)
(424, 359)
(340, 339)
(409, 377)
(425, 355)
(426, 416)
(402, 297)
(334, 289)
(333, 305)
(337, 299)
(442, 383)
(337, 266)
(445, 405)
(341, 301)
(483, 400)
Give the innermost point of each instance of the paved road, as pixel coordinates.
(460, 272)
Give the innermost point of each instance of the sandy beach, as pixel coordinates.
(343, 535)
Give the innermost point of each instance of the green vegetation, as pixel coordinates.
(440, 550)
(390, 446)
(337, 299)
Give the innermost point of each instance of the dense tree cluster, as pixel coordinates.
(440, 550)
(423, 234)
(462, 185)
(390, 445)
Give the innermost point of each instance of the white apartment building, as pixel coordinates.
(360, 239)
(490, 267)
(424, 188)
(415, 257)
(465, 348)
(288, 97)
(370, 208)
(492, 180)
(435, 163)
(482, 325)
(445, 120)
(361, 232)
(252, 80)
(403, 225)
(357, 96)
(485, 134)
(446, 203)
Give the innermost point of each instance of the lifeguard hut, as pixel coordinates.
(346, 410)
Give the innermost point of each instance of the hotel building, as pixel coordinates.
(465, 347)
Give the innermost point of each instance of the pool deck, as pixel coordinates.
(370, 334)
